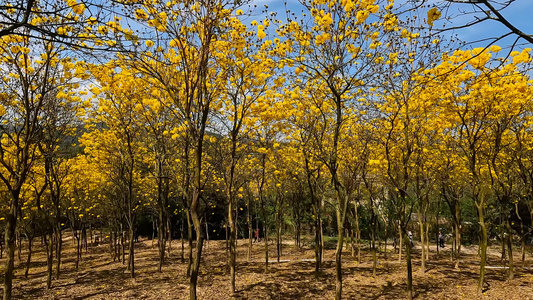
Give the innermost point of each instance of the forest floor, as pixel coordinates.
(98, 277)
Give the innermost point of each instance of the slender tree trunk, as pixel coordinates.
(409, 268)
(427, 240)
(79, 250)
(265, 235)
(457, 234)
(373, 230)
(77, 243)
(226, 227)
(250, 229)
(161, 235)
(114, 247)
(278, 229)
(318, 217)
(338, 255)
(400, 244)
(84, 237)
(509, 240)
(504, 239)
(357, 233)
(206, 234)
(19, 248)
(386, 237)
(373, 247)
(482, 248)
(131, 254)
(351, 233)
(422, 242)
(59, 246)
(161, 243)
(523, 252)
(189, 238)
(123, 244)
(49, 259)
(232, 243)
(169, 236)
(28, 260)
(318, 240)
(199, 242)
(182, 232)
(11, 224)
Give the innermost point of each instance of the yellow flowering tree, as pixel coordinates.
(474, 101)
(335, 49)
(37, 94)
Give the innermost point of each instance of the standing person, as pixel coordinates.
(256, 235)
(410, 236)
(441, 240)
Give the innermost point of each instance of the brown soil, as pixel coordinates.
(98, 277)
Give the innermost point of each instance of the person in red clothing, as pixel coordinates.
(256, 235)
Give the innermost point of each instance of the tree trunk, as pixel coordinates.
(338, 255)
(169, 236)
(199, 244)
(386, 237)
(49, 259)
(84, 237)
(232, 246)
(318, 217)
(427, 240)
(79, 250)
(502, 235)
(250, 229)
(357, 233)
(131, 253)
(523, 251)
(189, 238)
(509, 240)
(409, 268)
(400, 244)
(265, 230)
(114, 247)
(206, 234)
(482, 248)
(10, 253)
(162, 245)
(18, 239)
(318, 241)
(182, 243)
(422, 242)
(373, 228)
(28, 260)
(59, 246)
(77, 243)
(278, 231)
(122, 244)
(457, 235)
(161, 235)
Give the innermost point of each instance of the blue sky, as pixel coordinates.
(519, 13)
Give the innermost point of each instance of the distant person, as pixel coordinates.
(410, 236)
(256, 236)
(441, 240)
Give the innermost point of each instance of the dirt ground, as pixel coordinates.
(98, 277)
